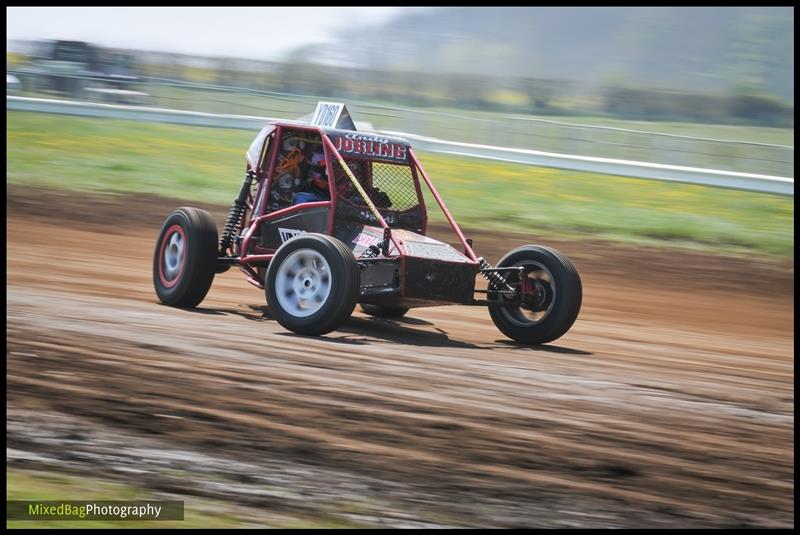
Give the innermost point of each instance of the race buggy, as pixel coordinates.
(328, 217)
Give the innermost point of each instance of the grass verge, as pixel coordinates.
(198, 512)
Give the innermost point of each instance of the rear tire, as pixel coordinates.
(185, 257)
(313, 283)
(550, 307)
(383, 311)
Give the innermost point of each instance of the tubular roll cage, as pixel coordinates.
(256, 203)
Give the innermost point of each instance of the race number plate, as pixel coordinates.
(332, 115)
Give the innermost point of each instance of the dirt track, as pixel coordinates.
(669, 404)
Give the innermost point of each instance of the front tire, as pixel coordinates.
(551, 295)
(185, 257)
(312, 284)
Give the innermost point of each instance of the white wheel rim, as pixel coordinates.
(173, 255)
(303, 283)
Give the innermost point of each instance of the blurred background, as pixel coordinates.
(520, 77)
(146, 108)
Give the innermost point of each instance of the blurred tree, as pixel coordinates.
(699, 49)
(542, 92)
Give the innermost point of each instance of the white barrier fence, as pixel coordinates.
(653, 171)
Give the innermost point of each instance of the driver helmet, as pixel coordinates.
(318, 159)
(318, 171)
(293, 142)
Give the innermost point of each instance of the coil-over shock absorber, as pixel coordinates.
(493, 276)
(234, 223)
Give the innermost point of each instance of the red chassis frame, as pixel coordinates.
(256, 203)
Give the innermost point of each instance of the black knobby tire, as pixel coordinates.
(553, 312)
(313, 283)
(380, 311)
(185, 257)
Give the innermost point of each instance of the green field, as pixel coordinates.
(207, 164)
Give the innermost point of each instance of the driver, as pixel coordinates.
(316, 181)
(288, 173)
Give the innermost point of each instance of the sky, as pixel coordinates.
(267, 33)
